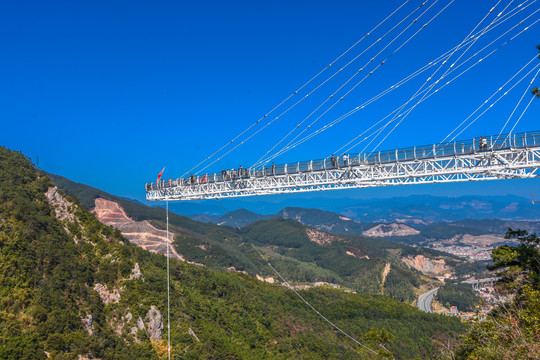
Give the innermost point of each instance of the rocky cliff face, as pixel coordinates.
(140, 233)
(320, 237)
(427, 266)
(387, 230)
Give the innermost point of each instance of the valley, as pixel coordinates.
(366, 262)
(71, 284)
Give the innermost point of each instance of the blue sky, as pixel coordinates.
(108, 92)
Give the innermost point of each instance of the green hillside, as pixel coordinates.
(51, 271)
(351, 261)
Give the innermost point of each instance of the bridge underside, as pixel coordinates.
(452, 163)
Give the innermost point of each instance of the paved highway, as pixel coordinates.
(424, 301)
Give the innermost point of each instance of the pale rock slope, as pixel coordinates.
(387, 230)
(140, 233)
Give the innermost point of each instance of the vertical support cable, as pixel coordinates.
(168, 290)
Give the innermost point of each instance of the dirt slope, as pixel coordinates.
(140, 233)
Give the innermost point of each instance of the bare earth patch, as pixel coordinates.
(321, 237)
(427, 266)
(386, 230)
(140, 233)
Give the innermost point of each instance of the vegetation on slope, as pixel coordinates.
(460, 295)
(288, 247)
(50, 268)
(511, 331)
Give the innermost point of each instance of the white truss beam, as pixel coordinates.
(504, 157)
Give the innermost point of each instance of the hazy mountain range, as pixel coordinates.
(424, 208)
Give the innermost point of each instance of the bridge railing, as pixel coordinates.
(503, 141)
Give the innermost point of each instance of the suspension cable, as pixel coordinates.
(523, 113)
(444, 56)
(486, 101)
(295, 92)
(500, 20)
(284, 149)
(495, 102)
(436, 82)
(351, 112)
(379, 129)
(294, 290)
(350, 79)
(408, 110)
(517, 105)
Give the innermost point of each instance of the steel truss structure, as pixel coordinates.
(487, 158)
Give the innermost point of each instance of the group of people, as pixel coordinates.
(335, 160)
(242, 173)
(232, 174)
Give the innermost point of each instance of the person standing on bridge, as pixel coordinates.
(345, 160)
(484, 143)
(273, 169)
(240, 173)
(333, 160)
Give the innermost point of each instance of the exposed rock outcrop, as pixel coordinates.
(387, 230)
(106, 295)
(62, 206)
(134, 329)
(482, 240)
(155, 323)
(140, 233)
(269, 279)
(88, 323)
(192, 333)
(357, 253)
(320, 237)
(136, 273)
(427, 266)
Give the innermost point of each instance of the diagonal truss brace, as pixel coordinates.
(482, 165)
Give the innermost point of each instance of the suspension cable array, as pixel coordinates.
(497, 22)
(509, 156)
(402, 27)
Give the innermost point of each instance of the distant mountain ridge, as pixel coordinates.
(406, 230)
(419, 209)
(438, 209)
(298, 241)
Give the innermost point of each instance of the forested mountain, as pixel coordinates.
(408, 230)
(512, 329)
(71, 288)
(304, 255)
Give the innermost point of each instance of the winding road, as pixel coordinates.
(424, 301)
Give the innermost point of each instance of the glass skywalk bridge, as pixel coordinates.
(506, 156)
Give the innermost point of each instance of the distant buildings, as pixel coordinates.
(480, 253)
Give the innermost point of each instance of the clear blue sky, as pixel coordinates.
(108, 92)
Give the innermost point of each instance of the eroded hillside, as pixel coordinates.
(140, 233)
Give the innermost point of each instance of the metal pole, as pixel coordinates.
(168, 290)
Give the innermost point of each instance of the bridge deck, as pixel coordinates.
(505, 156)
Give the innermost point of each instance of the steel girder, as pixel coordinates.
(508, 163)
